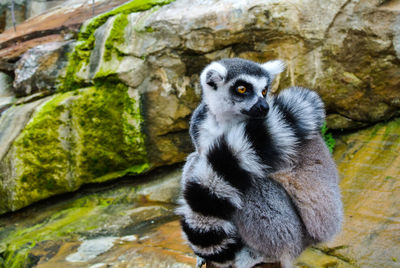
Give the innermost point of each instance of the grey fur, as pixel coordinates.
(289, 206)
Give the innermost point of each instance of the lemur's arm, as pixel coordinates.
(199, 114)
(303, 110)
(207, 205)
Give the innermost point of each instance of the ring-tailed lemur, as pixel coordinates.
(261, 185)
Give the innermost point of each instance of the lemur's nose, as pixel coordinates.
(260, 109)
(262, 105)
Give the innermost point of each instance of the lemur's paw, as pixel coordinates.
(200, 262)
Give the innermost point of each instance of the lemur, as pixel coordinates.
(261, 185)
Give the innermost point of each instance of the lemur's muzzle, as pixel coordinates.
(260, 109)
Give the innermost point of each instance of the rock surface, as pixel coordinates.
(111, 225)
(48, 27)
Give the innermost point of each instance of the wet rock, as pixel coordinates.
(164, 189)
(90, 249)
(147, 213)
(368, 164)
(337, 121)
(126, 229)
(39, 68)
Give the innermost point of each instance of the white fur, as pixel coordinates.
(215, 248)
(215, 66)
(209, 131)
(282, 134)
(274, 67)
(247, 258)
(242, 149)
(207, 177)
(196, 220)
(307, 106)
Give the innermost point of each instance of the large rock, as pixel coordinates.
(90, 135)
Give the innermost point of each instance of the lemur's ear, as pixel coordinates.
(213, 75)
(274, 67)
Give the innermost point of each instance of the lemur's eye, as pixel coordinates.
(264, 92)
(241, 89)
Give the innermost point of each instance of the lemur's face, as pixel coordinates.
(237, 89)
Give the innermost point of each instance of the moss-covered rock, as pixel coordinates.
(88, 135)
(78, 70)
(41, 235)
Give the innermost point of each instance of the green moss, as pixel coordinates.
(79, 58)
(43, 159)
(149, 29)
(131, 7)
(109, 142)
(328, 138)
(116, 36)
(91, 136)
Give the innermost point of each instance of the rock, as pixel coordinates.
(337, 121)
(49, 26)
(5, 85)
(12, 122)
(165, 188)
(367, 161)
(85, 136)
(90, 249)
(112, 220)
(143, 214)
(39, 68)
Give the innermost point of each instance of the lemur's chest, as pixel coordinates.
(210, 131)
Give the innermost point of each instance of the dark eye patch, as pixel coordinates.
(238, 83)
